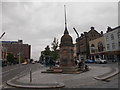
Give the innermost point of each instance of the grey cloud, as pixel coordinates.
(38, 23)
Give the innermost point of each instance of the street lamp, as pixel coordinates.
(0, 43)
(78, 45)
(19, 57)
(2, 35)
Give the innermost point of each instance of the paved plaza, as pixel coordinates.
(82, 80)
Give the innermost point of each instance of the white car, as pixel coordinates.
(99, 60)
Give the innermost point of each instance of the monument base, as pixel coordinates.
(64, 70)
(71, 70)
(53, 70)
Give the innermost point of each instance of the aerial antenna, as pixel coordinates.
(76, 32)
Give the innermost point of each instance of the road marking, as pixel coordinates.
(22, 73)
(5, 75)
(10, 70)
(18, 75)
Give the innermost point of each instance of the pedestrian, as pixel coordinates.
(75, 62)
(50, 63)
(81, 63)
(78, 61)
(86, 67)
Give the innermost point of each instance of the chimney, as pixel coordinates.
(20, 41)
(109, 29)
(101, 32)
(92, 28)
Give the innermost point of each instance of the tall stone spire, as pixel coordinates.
(66, 53)
(66, 31)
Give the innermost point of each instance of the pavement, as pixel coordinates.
(50, 80)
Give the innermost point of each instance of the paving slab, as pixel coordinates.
(50, 80)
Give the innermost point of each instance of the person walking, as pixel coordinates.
(81, 63)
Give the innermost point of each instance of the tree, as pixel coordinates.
(22, 60)
(54, 54)
(10, 58)
(41, 58)
(47, 51)
(55, 44)
(54, 47)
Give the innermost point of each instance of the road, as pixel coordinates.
(12, 71)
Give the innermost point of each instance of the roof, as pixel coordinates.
(19, 41)
(109, 29)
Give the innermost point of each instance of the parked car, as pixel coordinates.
(25, 63)
(89, 61)
(114, 60)
(100, 61)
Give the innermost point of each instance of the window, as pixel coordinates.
(113, 45)
(118, 35)
(108, 47)
(119, 44)
(112, 37)
(100, 46)
(92, 45)
(92, 48)
(107, 38)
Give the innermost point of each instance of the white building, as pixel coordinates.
(112, 43)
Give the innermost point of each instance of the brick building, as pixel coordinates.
(16, 48)
(82, 44)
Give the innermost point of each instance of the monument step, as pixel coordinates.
(77, 72)
(51, 72)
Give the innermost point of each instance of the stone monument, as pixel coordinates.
(66, 63)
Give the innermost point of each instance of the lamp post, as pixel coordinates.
(1, 48)
(77, 45)
(2, 35)
(19, 57)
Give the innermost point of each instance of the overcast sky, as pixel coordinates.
(37, 23)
